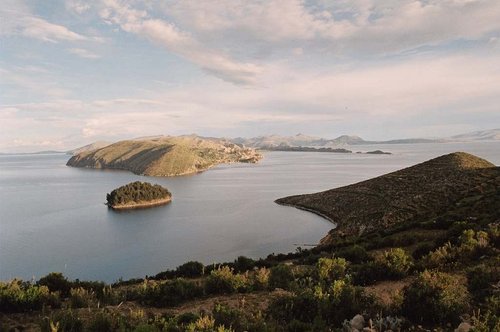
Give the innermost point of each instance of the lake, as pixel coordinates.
(53, 217)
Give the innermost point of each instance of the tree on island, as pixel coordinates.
(135, 192)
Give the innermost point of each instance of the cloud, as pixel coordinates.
(16, 19)
(83, 53)
(343, 26)
(182, 43)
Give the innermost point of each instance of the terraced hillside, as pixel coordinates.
(420, 192)
(165, 156)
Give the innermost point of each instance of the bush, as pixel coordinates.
(481, 280)
(396, 263)
(19, 296)
(367, 274)
(230, 317)
(422, 249)
(66, 321)
(56, 282)
(354, 254)
(242, 264)
(170, 293)
(281, 276)
(223, 280)
(331, 268)
(80, 297)
(435, 297)
(261, 278)
(101, 322)
(190, 270)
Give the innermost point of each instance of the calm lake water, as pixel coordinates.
(52, 217)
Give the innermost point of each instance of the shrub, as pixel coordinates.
(80, 297)
(101, 322)
(242, 264)
(170, 293)
(396, 263)
(435, 297)
(473, 243)
(230, 317)
(190, 269)
(19, 296)
(368, 273)
(67, 321)
(223, 280)
(354, 254)
(281, 276)
(261, 278)
(444, 255)
(56, 282)
(481, 280)
(422, 249)
(331, 268)
(303, 307)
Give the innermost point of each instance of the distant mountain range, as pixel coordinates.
(300, 140)
(273, 141)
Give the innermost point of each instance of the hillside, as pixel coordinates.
(165, 156)
(419, 192)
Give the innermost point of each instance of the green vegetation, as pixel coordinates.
(136, 193)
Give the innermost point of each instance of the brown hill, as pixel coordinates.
(165, 156)
(420, 192)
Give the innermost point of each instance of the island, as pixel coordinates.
(378, 152)
(165, 155)
(287, 148)
(138, 195)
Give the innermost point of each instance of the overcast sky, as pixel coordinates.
(73, 72)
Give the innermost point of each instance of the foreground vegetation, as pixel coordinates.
(136, 193)
(434, 274)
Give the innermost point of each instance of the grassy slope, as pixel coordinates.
(165, 156)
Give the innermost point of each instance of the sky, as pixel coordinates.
(74, 72)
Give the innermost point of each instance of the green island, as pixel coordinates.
(413, 250)
(138, 195)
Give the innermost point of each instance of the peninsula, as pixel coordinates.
(421, 192)
(165, 155)
(138, 195)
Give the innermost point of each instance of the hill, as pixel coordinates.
(165, 156)
(419, 192)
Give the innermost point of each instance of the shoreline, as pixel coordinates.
(308, 210)
(141, 205)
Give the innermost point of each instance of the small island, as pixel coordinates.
(138, 195)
